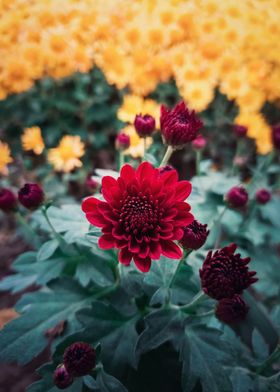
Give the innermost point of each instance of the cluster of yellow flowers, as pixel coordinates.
(64, 158)
(203, 44)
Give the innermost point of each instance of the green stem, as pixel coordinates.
(185, 255)
(28, 232)
(197, 161)
(121, 159)
(62, 243)
(205, 314)
(274, 357)
(197, 299)
(167, 156)
(219, 223)
(145, 149)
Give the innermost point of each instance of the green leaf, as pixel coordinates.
(241, 381)
(93, 269)
(161, 326)
(161, 272)
(109, 383)
(203, 354)
(24, 338)
(116, 333)
(47, 250)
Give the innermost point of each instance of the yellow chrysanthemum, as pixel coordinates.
(32, 140)
(136, 148)
(5, 158)
(134, 104)
(65, 157)
(258, 129)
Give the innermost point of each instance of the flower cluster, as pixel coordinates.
(78, 360)
(31, 196)
(233, 46)
(143, 214)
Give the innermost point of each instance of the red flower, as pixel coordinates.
(61, 378)
(144, 125)
(79, 359)
(199, 143)
(195, 235)
(240, 130)
(237, 197)
(8, 200)
(179, 126)
(122, 141)
(31, 196)
(263, 196)
(276, 136)
(143, 214)
(225, 274)
(232, 310)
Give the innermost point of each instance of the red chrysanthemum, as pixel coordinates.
(232, 310)
(225, 273)
(179, 126)
(144, 212)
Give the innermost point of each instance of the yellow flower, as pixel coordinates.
(134, 104)
(258, 129)
(65, 157)
(136, 148)
(32, 140)
(5, 158)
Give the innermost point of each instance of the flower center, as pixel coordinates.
(140, 214)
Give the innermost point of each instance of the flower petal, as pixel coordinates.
(143, 265)
(171, 250)
(125, 256)
(106, 241)
(183, 190)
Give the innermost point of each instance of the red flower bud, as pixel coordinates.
(165, 169)
(225, 274)
(31, 196)
(231, 310)
(79, 359)
(91, 184)
(276, 136)
(144, 125)
(263, 196)
(195, 235)
(8, 200)
(179, 126)
(199, 142)
(237, 197)
(61, 378)
(240, 130)
(122, 141)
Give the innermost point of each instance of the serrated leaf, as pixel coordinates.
(24, 338)
(95, 270)
(116, 333)
(108, 383)
(203, 355)
(161, 272)
(161, 326)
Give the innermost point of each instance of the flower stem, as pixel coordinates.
(121, 159)
(197, 162)
(197, 299)
(145, 149)
(185, 255)
(28, 232)
(275, 356)
(167, 156)
(62, 243)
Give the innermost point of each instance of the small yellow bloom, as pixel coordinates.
(65, 157)
(258, 129)
(5, 158)
(32, 140)
(136, 148)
